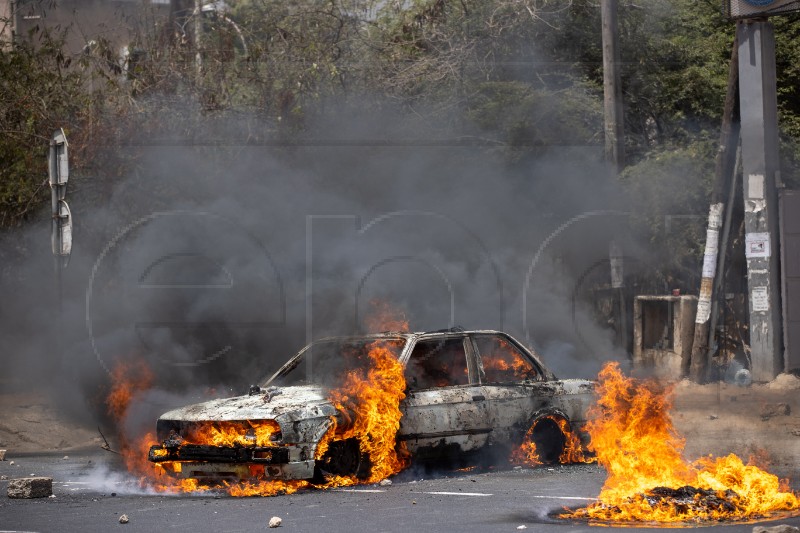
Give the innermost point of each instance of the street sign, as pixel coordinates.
(58, 175)
(59, 160)
(760, 8)
(62, 233)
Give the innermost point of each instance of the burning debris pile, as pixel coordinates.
(648, 480)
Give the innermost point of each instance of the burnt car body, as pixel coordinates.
(466, 391)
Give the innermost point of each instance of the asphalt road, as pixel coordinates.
(90, 495)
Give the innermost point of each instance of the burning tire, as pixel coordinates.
(549, 440)
(343, 458)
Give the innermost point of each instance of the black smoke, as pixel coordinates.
(217, 255)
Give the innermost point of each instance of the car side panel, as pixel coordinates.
(445, 417)
(512, 406)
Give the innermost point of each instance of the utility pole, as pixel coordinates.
(614, 148)
(759, 110)
(715, 250)
(197, 18)
(620, 311)
(612, 88)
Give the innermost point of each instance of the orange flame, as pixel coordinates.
(504, 363)
(374, 397)
(384, 317)
(634, 440)
(526, 453)
(233, 433)
(128, 380)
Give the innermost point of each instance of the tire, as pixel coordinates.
(343, 458)
(549, 439)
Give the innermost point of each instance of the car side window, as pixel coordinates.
(437, 363)
(503, 362)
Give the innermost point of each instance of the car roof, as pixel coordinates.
(415, 334)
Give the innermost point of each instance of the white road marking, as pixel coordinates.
(457, 493)
(564, 498)
(358, 490)
(374, 491)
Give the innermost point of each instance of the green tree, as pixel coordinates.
(38, 94)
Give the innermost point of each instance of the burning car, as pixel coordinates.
(457, 392)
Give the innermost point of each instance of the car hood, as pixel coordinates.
(269, 404)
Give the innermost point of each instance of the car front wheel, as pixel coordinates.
(343, 458)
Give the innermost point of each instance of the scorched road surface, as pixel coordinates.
(90, 496)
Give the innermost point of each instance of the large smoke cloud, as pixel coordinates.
(217, 257)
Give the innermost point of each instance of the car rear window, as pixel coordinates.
(504, 362)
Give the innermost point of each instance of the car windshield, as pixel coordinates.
(327, 362)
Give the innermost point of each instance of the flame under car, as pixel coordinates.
(466, 392)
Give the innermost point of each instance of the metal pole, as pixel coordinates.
(759, 110)
(61, 224)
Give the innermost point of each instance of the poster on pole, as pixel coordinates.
(756, 245)
(703, 311)
(759, 297)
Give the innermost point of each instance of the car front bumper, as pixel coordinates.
(238, 462)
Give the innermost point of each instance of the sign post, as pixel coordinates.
(61, 225)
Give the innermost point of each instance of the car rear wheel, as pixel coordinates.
(343, 458)
(549, 440)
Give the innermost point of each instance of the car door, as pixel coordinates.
(514, 384)
(444, 409)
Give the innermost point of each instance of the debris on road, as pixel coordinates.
(275, 521)
(2, 455)
(106, 446)
(783, 528)
(385, 482)
(3, 478)
(769, 410)
(32, 487)
(124, 519)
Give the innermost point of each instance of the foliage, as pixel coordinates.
(39, 93)
(520, 73)
(671, 190)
